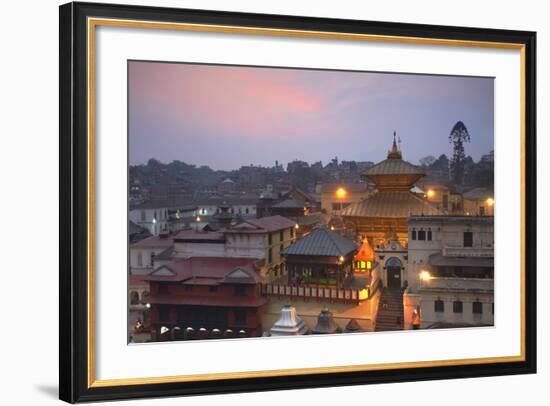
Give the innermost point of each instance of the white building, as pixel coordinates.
(263, 239)
(450, 271)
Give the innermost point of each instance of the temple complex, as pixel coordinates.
(382, 216)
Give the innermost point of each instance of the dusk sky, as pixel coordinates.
(226, 117)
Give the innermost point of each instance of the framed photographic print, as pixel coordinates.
(257, 202)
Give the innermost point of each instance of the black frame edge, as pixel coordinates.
(67, 368)
(73, 368)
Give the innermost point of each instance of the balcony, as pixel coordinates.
(472, 252)
(480, 285)
(317, 293)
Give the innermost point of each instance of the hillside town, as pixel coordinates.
(339, 248)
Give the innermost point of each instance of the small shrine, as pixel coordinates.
(289, 324)
(325, 323)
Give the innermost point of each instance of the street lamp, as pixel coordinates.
(430, 193)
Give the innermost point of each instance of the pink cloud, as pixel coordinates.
(243, 101)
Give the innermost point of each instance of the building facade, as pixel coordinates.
(450, 271)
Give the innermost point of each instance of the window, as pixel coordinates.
(140, 258)
(269, 239)
(439, 306)
(152, 261)
(212, 288)
(246, 210)
(134, 298)
(422, 235)
(445, 202)
(281, 236)
(457, 306)
(468, 239)
(413, 236)
(429, 235)
(482, 210)
(239, 290)
(240, 317)
(477, 307)
(269, 256)
(292, 232)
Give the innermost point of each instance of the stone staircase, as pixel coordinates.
(390, 310)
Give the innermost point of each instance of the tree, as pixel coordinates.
(427, 160)
(458, 137)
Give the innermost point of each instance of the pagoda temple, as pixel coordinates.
(382, 216)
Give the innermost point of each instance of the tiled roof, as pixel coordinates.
(289, 204)
(194, 235)
(212, 270)
(479, 193)
(264, 224)
(391, 203)
(322, 242)
(393, 166)
(154, 242)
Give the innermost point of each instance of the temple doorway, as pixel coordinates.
(393, 273)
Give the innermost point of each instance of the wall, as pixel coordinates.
(29, 167)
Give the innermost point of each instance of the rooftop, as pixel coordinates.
(322, 242)
(391, 203)
(208, 271)
(262, 225)
(154, 242)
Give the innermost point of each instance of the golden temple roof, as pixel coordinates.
(391, 203)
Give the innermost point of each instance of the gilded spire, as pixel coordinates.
(395, 152)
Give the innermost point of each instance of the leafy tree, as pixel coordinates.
(458, 137)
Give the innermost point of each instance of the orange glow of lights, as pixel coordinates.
(490, 201)
(341, 259)
(425, 276)
(341, 193)
(430, 193)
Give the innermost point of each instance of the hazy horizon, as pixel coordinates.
(226, 117)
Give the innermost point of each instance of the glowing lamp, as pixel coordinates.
(296, 226)
(198, 218)
(425, 276)
(341, 193)
(490, 201)
(341, 259)
(430, 193)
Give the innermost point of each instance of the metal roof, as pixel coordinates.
(322, 242)
(393, 166)
(391, 203)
